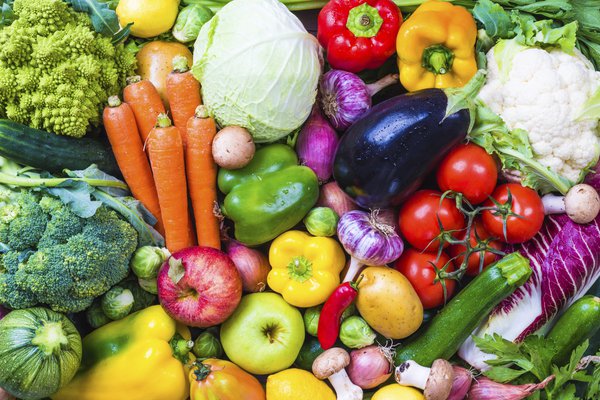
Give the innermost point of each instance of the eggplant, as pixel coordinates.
(385, 156)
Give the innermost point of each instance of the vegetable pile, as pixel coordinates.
(229, 200)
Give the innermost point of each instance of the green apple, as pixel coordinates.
(264, 334)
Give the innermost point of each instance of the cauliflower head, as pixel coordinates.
(56, 72)
(53, 257)
(543, 92)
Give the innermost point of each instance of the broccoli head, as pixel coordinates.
(56, 258)
(56, 72)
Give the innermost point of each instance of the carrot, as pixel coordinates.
(183, 93)
(165, 149)
(128, 149)
(144, 100)
(202, 177)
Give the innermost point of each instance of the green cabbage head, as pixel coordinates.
(259, 68)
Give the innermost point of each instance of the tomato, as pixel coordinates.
(457, 251)
(418, 268)
(470, 170)
(418, 219)
(527, 213)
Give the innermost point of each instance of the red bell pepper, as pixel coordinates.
(358, 34)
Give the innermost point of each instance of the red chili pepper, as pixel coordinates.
(358, 34)
(331, 313)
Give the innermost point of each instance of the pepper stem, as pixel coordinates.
(364, 21)
(181, 348)
(50, 337)
(437, 59)
(300, 269)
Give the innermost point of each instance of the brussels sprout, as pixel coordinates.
(146, 261)
(321, 221)
(149, 285)
(95, 316)
(117, 303)
(356, 333)
(141, 297)
(189, 21)
(311, 319)
(207, 346)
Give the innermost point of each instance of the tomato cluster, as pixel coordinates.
(461, 228)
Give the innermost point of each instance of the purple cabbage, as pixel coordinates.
(593, 179)
(565, 258)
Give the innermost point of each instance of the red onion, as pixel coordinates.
(370, 366)
(461, 383)
(316, 145)
(335, 198)
(252, 265)
(344, 97)
(487, 389)
(367, 241)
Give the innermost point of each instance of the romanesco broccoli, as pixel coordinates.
(56, 258)
(56, 73)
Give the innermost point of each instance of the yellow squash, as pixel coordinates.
(436, 47)
(141, 357)
(306, 269)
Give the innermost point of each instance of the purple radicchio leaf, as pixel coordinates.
(593, 179)
(565, 258)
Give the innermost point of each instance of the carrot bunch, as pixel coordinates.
(179, 158)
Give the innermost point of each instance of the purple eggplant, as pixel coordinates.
(385, 156)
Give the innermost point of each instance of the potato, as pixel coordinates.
(155, 62)
(388, 302)
(232, 147)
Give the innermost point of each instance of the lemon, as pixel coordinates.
(397, 392)
(297, 384)
(149, 17)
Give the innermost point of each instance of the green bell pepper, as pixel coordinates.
(268, 196)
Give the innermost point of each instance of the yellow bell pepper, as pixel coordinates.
(144, 356)
(305, 269)
(436, 47)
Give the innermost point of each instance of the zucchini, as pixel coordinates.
(53, 153)
(579, 323)
(466, 311)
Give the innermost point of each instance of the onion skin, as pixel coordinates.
(368, 241)
(461, 384)
(4, 395)
(369, 367)
(3, 312)
(332, 196)
(486, 389)
(316, 145)
(387, 216)
(252, 265)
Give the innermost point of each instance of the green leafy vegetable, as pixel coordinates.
(104, 18)
(495, 20)
(6, 12)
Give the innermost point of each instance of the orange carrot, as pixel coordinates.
(128, 149)
(165, 149)
(202, 177)
(144, 100)
(183, 92)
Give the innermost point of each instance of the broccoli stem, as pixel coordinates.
(24, 181)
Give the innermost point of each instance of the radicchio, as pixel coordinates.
(565, 258)
(593, 179)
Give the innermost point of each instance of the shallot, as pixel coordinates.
(252, 265)
(335, 198)
(487, 389)
(316, 145)
(370, 366)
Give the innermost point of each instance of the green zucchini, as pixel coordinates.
(53, 153)
(579, 323)
(311, 349)
(465, 312)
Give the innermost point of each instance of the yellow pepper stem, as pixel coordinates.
(300, 269)
(181, 348)
(438, 59)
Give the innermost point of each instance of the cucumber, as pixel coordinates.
(53, 153)
(310, 350)
(466, 311)
(580, 322)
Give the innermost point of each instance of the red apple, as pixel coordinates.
(199, 286)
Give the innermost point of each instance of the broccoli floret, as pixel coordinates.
(74, 261)
(56, 72)
(22, 223)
